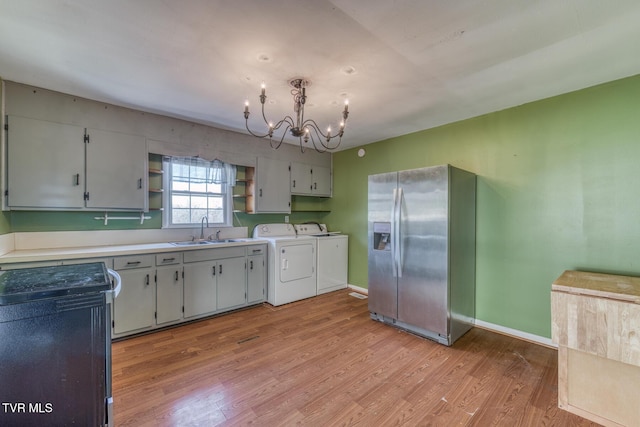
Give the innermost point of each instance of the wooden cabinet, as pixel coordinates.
(169, 288)
(595, 320)
(244, 191)
(272, 186)
(116, 171)
(46, 164)
(256, 274)
(134, 309)
(61, 167)
(310, 180)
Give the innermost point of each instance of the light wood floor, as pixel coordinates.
(324, 362)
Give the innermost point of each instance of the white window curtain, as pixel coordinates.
(204, 171)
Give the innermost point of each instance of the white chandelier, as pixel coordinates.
(301, 128)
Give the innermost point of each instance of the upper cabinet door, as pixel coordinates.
(45, 167)
(310, 180)
(116, 171)
(272, 186)
(321, 181)
(300, 178)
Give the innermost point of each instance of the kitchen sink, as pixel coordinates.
(206, 242)
(192, 242)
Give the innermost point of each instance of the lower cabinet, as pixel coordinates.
(222, 279)
(200, 288)
(134, 309)
(256, 274)
(232, 283)
(168, 288)
(169, 293)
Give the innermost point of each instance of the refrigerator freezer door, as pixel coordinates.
(423, 249)
(383, 289)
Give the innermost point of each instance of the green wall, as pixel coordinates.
(305, 209)
(558, 189)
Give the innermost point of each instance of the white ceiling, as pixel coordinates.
(404, 65)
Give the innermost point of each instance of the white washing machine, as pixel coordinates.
(332, 256)
(291, 263)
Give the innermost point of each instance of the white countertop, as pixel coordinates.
(108, 250)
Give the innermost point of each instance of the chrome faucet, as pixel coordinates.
(204, 218)
(218, 234)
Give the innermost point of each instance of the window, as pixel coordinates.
(196, 188)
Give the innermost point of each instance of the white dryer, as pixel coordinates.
(332, 256)
(291, 263)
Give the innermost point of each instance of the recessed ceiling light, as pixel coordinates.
(263, 57)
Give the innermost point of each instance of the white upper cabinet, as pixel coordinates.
(310, 180)
(300, 178)
(272, 186)
(58, 166)
(45, 164)
(321, 181)
(116, 170)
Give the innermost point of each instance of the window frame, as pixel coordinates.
(167, 213)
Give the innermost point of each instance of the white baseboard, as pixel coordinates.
(515, 333)
(536, 339)
(358, 289)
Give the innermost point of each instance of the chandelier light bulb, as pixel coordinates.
(246, 110)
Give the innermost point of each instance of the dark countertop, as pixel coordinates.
(29, 284)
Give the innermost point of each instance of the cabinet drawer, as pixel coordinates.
(213, 254)
(133, 261)
(257, 250)
(169, 258)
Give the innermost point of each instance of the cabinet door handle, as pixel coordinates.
(251, 265)
(214, 270)
(315, 185)
(147, 281)
(168, 259)
(133, 262)
(176, 275)
(220, 269)
(294, 183)
(77, 179)
(261, 192)
(140, 184)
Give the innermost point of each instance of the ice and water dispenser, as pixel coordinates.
(382, 236)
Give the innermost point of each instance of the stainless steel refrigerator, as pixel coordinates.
(421, 233)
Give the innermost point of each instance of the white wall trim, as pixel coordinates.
(358, 289)
(536, 339)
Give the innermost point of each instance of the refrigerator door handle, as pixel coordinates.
(398, 224)
(394, 261)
